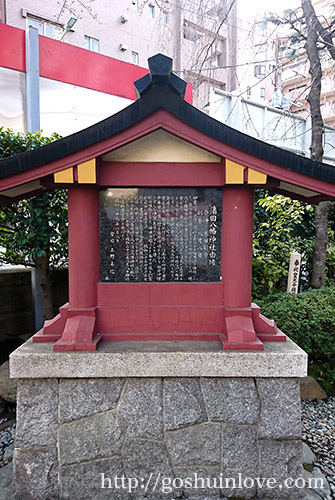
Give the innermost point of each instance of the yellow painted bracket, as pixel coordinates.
(234, 172)
(87, 172)
(255, 177)
(64, 176)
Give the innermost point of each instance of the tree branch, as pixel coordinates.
(210, 45)
(327, 36)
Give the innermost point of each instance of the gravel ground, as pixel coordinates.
(7, 430)
(318, 418)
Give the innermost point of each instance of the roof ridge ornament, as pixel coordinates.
(160, 73)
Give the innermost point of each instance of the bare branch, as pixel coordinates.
(324, 33)
(210, 45)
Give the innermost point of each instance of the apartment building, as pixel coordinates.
(261, 55)
(296, 80)
(200, 36)
(274, 70)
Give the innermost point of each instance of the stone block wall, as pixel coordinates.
(71, 432)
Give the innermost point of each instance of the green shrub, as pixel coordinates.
(309, 320)
(281, 226)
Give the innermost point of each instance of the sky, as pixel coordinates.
(248, 8)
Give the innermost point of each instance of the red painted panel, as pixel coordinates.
(70, 64)
(160, 319)
(161, 174)
(90, 70)
(12, 48)
(67, 63)
(153, 294)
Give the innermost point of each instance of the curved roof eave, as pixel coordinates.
(161, 96)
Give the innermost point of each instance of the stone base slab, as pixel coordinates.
(158, 359)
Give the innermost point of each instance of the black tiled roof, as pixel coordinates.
(161, 89)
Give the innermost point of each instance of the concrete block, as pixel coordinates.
(198, 444)
(37, 413)
(280, 460)
(183, 403)
(80, 398)
(231, 400)
(36, 474)
(93, 437)
(199, 481)
(240, 452)
(142, 408)
(280, 409)
(146, 459)
(84, 481)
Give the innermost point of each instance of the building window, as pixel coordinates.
(134, 4)
(91, 43)
(151, 9)
(262, 93)
(165, 18)
(260, 71)
(216, 60)
(190, 32)
(134, 58)
(46, 28)
(216, 11)
(261, 48)
(261, 26)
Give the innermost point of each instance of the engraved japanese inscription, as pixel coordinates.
(160, 234)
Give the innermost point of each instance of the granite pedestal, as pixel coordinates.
(157, 420)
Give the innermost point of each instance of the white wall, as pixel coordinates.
(64, 108)
(277, 127)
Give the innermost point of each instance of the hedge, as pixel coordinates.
(309, 320)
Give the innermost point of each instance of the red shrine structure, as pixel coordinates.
(160, 207)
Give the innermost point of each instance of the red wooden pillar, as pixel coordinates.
(84, 246)
(237, 230)
(84, 249)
